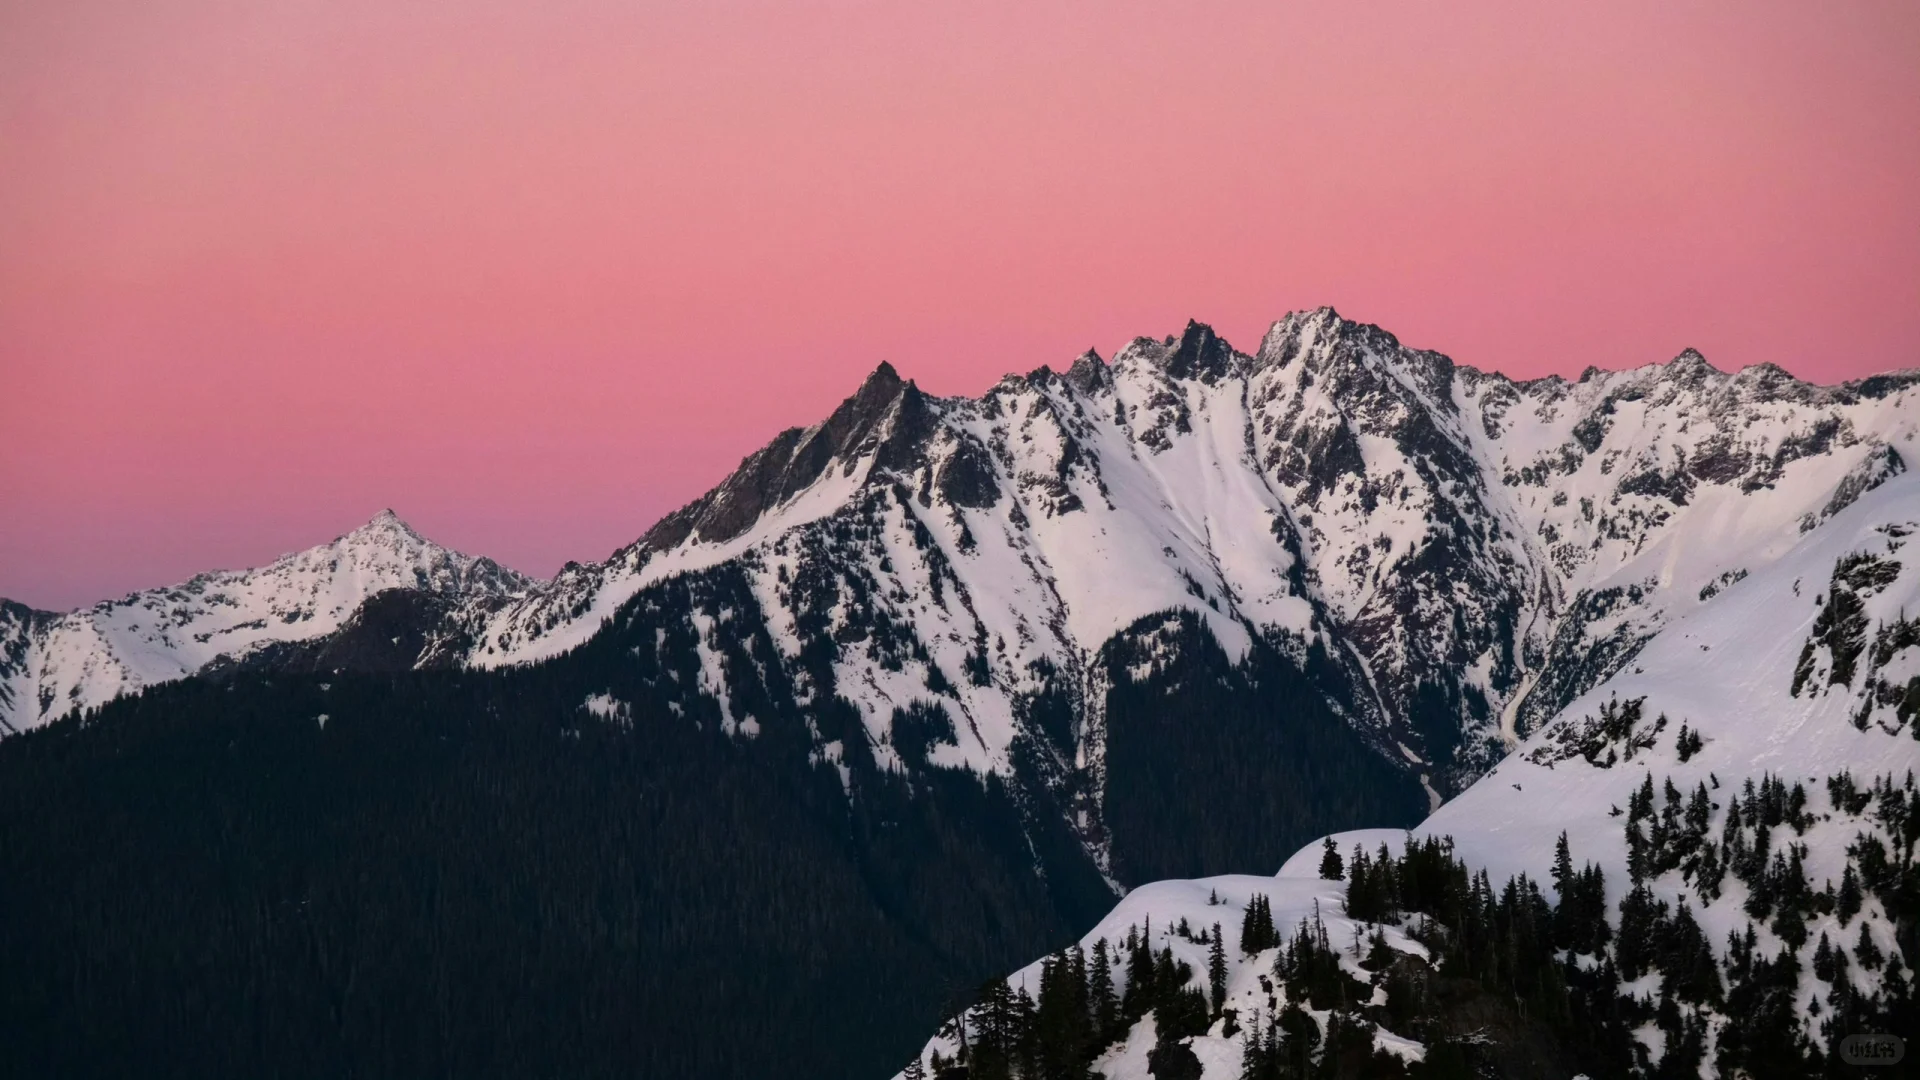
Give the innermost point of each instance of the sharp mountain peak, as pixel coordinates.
(388, 523)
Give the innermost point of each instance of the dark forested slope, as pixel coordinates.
(576, 868)
(464, 873)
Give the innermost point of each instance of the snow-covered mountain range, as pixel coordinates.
(1461, 554)
(1167, 615)
(1472, 552)
(1801, 678)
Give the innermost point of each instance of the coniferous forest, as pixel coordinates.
(439, 883)
(463, 873)
(1178, 788)
(1520, 980)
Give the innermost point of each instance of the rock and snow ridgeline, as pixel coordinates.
(1471, 553)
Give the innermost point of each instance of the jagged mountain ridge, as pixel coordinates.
(1462, 553)
(1333, 486)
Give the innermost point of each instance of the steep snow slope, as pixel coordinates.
(52, 664)
(1803, 670)
(1727, 670)
(1648, 490)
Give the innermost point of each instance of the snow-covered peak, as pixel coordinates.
(1483, 549)
(391, 553)
(86, 657)
(1689, 360)
(386, 523)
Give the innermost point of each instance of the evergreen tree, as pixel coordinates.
(1562, 867)
(1637, 857)
(1363, 897)
(1331, 867)
(1217, 970)
(1138, 996)
(1023, 1035)
(1792, 898)
(1061, 1040)
(1669, 829)
(1257, 932)
(1379, 955)
(1387, 871)
(1686, 959)
(1688, 744)
(1104, 1006)
(1849, 901)
(1254, 1064)
(1824, 966)
(1640, 805)
(1643, 930)
(1709, 872)
(1866, 951)
(1699, 814)
(1081, 1003)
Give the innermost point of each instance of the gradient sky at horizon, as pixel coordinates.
(534, 274)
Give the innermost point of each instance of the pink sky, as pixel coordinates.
(534, 273)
